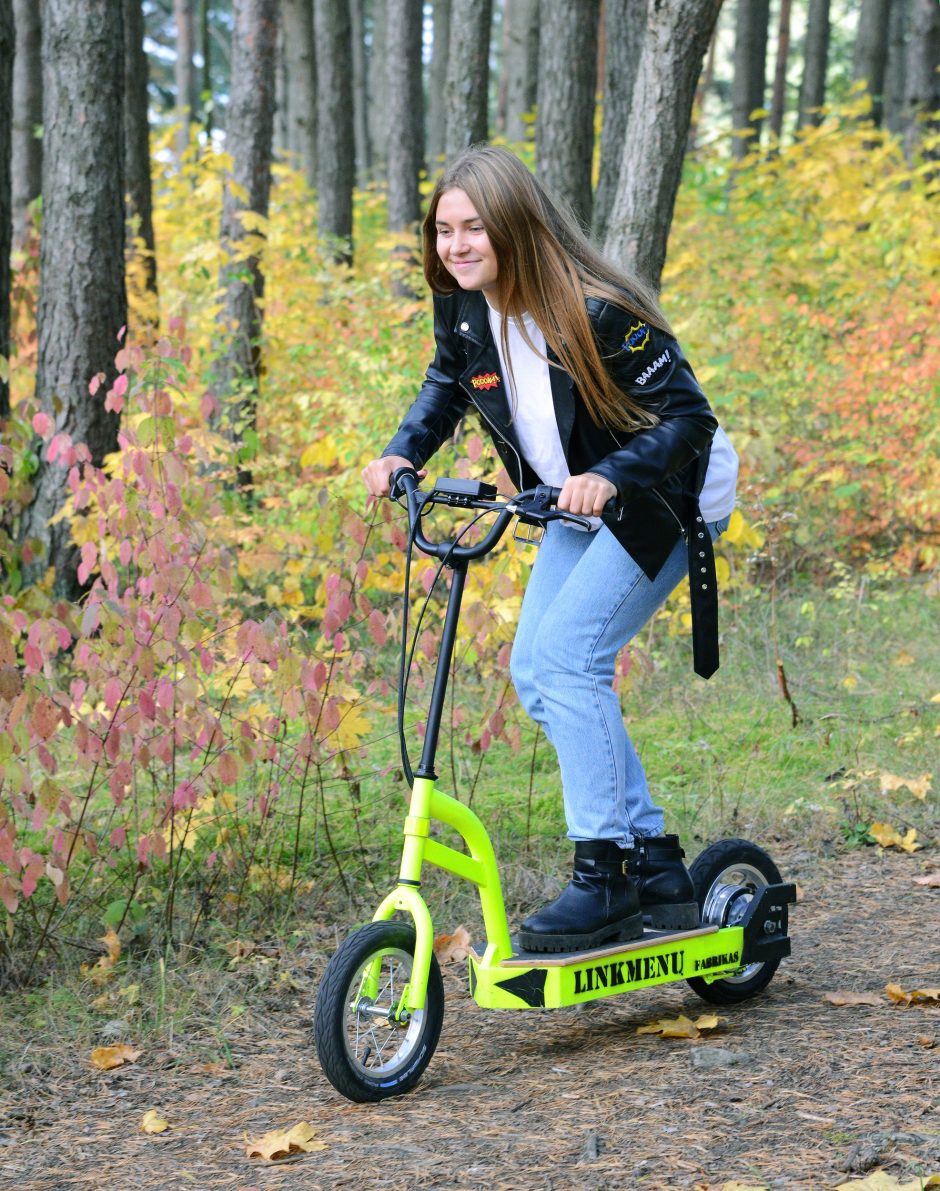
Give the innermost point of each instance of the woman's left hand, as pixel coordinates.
(586, 494)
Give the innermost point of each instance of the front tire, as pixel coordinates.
(726, 877)
(365, 1053)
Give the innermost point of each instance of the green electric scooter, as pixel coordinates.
(380, 1003)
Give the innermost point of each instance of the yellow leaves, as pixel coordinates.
(894, 993)
(153, 1123)
(890, 837)
(352, 727)
(452, 948)
(918, 786)
(917, 996)
(681, 1026)
(103, 969)
(280, 1143)
(321, 455)
(106, 1058)
(880, 1180)
(739, 533)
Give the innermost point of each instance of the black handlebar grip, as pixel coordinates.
(395, 487)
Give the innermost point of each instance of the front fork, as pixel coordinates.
(479, 867)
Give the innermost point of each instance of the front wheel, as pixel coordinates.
(365, 1052)
(726, 876)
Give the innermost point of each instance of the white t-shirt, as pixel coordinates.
(530, 394)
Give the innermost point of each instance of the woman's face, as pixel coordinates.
(463, 245)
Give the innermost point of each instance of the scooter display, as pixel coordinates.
(380, 1003)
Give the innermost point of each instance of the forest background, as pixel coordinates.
(215, 318)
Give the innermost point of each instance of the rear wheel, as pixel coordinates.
(366, 1053)
(727, 875)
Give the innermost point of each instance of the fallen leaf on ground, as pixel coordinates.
(734, 1185)
(853, 998)
(925, 1042)
(152, 1123)
(451, 948)
(931, 880)
(917, 996)
(107, 1057)
(281, 1142)
(681, 1026)
(103, 969)
(918, 786)
(880, 1180)
(890, 837)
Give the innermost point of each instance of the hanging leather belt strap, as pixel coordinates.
(703, 593)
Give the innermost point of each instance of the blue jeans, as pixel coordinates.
(586, 598)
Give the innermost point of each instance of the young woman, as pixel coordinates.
(574, 371)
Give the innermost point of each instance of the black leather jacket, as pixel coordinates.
(658, 473)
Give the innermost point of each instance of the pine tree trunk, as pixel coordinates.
(360, 93)
(301, 84)
(137, 141)
(674, 44)
(378, 87)
(750, 68)
(27, 110)
(705, 83)
(249, 129)
(205, 42)
(82, 300)
(923, 79)
(405, 112)
(871, 52)
(815, 64)
(624, 22)
(564, 134)
(185, 72)
(336, 165)
(520, 65)
(895, 96)
(467, 77)
(7, 47)
(778, 102)
(437, 84)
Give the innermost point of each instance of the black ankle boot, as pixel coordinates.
(667, 895)
(598, 905)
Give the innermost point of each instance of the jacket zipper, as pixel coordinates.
(657, 493)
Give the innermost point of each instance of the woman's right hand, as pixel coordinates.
(377, 475)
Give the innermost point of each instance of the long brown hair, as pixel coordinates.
(547, 267)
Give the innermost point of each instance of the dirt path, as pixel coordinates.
(806, 1095)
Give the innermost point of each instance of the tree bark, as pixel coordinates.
(674, 44)
(895, 89)
(520, 65)
(815, 64)
(7, 50)
(137, 140)
(249, 129)
(360, 84)
(301, 84)
(564, 134)
(185, 72)
(870, 55)
(205, 42)
(82, 300)
(624, 22)
(923, 79)
(704, 85)
(27, 110)
(405, 112)
(378, 87)
(468, 51)
(750, 66)
(336, 167)
(778, 101)
(437, 83)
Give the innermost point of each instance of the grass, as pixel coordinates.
(724, 758)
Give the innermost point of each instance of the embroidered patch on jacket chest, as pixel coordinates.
(486, 380)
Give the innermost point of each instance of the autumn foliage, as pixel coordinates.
(194, 737)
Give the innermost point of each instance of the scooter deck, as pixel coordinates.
(564, 959)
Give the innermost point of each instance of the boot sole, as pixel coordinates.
(616, 932)
(679, 916)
